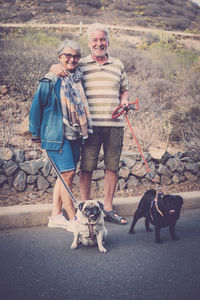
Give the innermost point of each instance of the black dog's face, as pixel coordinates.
(172, 205)
(91, 209)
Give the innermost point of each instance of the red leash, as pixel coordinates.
(124, 109)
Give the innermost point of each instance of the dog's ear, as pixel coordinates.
(100, 205)
(81, 206)
(180, 200)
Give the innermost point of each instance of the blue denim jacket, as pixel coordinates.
(45, 118)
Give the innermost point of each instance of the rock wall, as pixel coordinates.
(26, 171)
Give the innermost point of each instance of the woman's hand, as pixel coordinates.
(58, 70)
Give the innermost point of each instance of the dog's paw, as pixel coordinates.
(74, 246)
(131, 231)
(103, 250)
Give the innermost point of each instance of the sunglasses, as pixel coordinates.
(68, 56)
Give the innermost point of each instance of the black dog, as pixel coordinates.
(161, 211)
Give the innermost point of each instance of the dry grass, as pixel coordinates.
(176, 14)
(162, 75)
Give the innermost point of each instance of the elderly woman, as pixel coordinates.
(59, 120)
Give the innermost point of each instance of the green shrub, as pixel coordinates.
(22, 66)
(25, 58)
(164, 77)
(34, 37)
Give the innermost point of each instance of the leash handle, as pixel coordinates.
(65, 185)
(125, 108)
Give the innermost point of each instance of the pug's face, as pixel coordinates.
(172, 204)
(91, 209)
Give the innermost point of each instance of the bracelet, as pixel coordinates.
(35, 140)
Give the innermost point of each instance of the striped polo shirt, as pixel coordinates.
(103, 85)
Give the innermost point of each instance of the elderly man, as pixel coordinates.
(106, 87)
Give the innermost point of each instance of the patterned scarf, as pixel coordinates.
(74, 104)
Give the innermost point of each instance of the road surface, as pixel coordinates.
(37, 263)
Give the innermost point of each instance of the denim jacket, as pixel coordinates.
(45, 118)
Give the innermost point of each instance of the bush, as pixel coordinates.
(177, 22)
(32, 37)
(184, 125)
(94, 3)
(150, 38)
(141, 22)
(166, 83)
(152, 9)
(55, 7)
(21, 72)
(192, 84)
(123, 5)
(34, 52)
(184, 12)
(128, 56)
(164, 77)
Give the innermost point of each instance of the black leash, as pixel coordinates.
(65, 185)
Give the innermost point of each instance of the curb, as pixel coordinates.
(37, 214)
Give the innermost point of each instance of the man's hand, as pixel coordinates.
(58, 70)
(125, 96)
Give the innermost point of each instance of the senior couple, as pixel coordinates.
(72, 113)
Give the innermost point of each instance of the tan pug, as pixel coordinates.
(90, 229)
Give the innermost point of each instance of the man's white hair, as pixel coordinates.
(97, 26)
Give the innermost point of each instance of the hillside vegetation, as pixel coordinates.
(170, 14)
(164, 73)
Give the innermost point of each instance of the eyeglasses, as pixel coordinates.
(68, 56)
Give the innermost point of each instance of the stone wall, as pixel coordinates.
(26, 171)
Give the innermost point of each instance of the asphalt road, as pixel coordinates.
(37, 263)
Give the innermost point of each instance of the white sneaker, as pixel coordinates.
(58, 221)
(71, 225)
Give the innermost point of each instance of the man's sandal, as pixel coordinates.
(113, 216)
